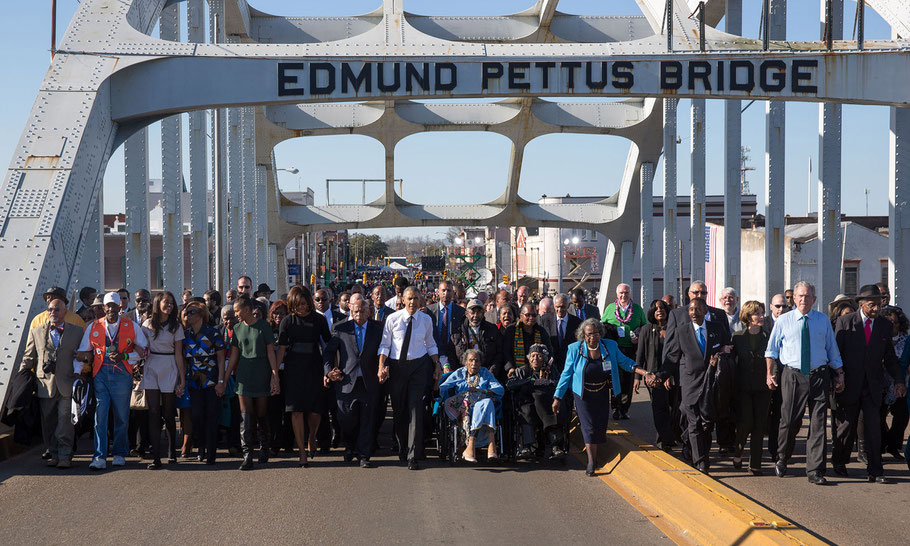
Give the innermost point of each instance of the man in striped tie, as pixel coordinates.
(803, 341)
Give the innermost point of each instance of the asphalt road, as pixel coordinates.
(330, 502)
(848, 511)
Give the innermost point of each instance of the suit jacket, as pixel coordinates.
(865, 363)
(549, 324)
(344, 345)
(591, 311)
(683, 358)
(384, 312)
(39, 349)
(490, 346)
(444, 343)
(680, 315)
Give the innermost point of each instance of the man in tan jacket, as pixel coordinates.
(50, 353)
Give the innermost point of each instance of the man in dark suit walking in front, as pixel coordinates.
(351, 363)
(692, 355)
(561, 326)
(864, 341)
(447, 318)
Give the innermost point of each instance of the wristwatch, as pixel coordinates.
(221, 380)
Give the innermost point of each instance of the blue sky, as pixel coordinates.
(472, 167)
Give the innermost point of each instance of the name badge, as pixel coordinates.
(621, 331)
(606, 365)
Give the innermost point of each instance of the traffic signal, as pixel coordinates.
(445, 273)
(505, 279)
(313, 279)
(364, 277)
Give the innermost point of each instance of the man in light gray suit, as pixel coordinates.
(50, 353)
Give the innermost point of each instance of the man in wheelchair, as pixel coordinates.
(470, 396)
(532, 391)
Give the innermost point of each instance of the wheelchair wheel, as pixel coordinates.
(453, 441)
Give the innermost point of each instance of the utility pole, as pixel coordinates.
(744, 166)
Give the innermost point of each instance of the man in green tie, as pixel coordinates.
(804, 342)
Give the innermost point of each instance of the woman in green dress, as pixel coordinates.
(253, 356)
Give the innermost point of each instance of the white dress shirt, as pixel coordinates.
(421, 343)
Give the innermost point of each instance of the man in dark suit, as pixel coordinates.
(502, 298)
(447, 318)
(726, 430)
(779, 306)
(581, 308)
(351, 363)
(329, 434)
(560, 326)
(477, 333)
(864, 341)
(692, 356)
(380, 309)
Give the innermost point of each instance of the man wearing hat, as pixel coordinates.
(56, 293)
(110, 348)
(477, 333)
(49, 353)
(864, 340)
(263, 291)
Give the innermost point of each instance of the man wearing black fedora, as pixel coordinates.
(864, 341)
(263, 291)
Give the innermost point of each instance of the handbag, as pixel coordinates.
(137, 396)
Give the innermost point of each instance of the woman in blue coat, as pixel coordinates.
(592, 368)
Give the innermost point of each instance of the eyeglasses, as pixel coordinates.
(780, 306)
(702, 292)
(318, 299)
(529, 315)
(142, 300)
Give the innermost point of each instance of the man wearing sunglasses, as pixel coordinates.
(779, 306)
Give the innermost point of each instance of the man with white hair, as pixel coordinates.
(627, 317)
(544, 307)
(729, 302)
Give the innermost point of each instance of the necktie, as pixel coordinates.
(359, 339)
(868, 330)
(444, 324)
(562, 330)
(376, 317)
(581, 314)
(403, 354)
(805, 358)
(701, 341)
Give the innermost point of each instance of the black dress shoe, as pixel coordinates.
(412, 465)
(366, 463)
(738, 464)
(861, 457)
(154, 465)
(46, 456)
(703, 468)
(303, 464)
(348, 456)
(616, 414)
(780, 469)
(756, 471)
(840, 470)
(896, 454)
(879, 479)
(210, 461)
(247, 463)
(816, 479)
(624, 416)
(723, 451)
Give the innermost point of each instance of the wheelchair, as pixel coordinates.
(520, 393)
(450, 441)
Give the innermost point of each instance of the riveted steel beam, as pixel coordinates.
(697, 191)
(671, 242)
(732, 166)
(775, 156)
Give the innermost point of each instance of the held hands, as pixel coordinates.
(335, 375)
(275, 385)
(383, 373)
(652, 380)
(637, 384)
(772, 382)
(219, 390)
(839, 383)
(668, 384)
(715, 358)
(511, 373)
(178, 390)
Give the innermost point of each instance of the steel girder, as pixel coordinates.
(110, 78)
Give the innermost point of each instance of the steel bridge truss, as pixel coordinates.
(274, 78)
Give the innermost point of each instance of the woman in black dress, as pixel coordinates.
(664, 403)
(300, 336)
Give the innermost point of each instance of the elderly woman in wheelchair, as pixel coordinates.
(532, 396)
(471, 394)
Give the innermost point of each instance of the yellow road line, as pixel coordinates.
(686, 505)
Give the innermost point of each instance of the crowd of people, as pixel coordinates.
(304, 373)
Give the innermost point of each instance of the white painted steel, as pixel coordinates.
(645, 231)
(697, 153)
(137, 266)
(671, 245)
(732, 163)
(200, 279)
(775, 174)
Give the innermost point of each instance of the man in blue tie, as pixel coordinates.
(803, 341)
(447, 318)
(691, 356)
(351, 363)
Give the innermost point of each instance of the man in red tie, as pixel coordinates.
(864, 341)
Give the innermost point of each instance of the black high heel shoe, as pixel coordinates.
(589, 471)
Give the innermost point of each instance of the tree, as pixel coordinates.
(367, 247)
